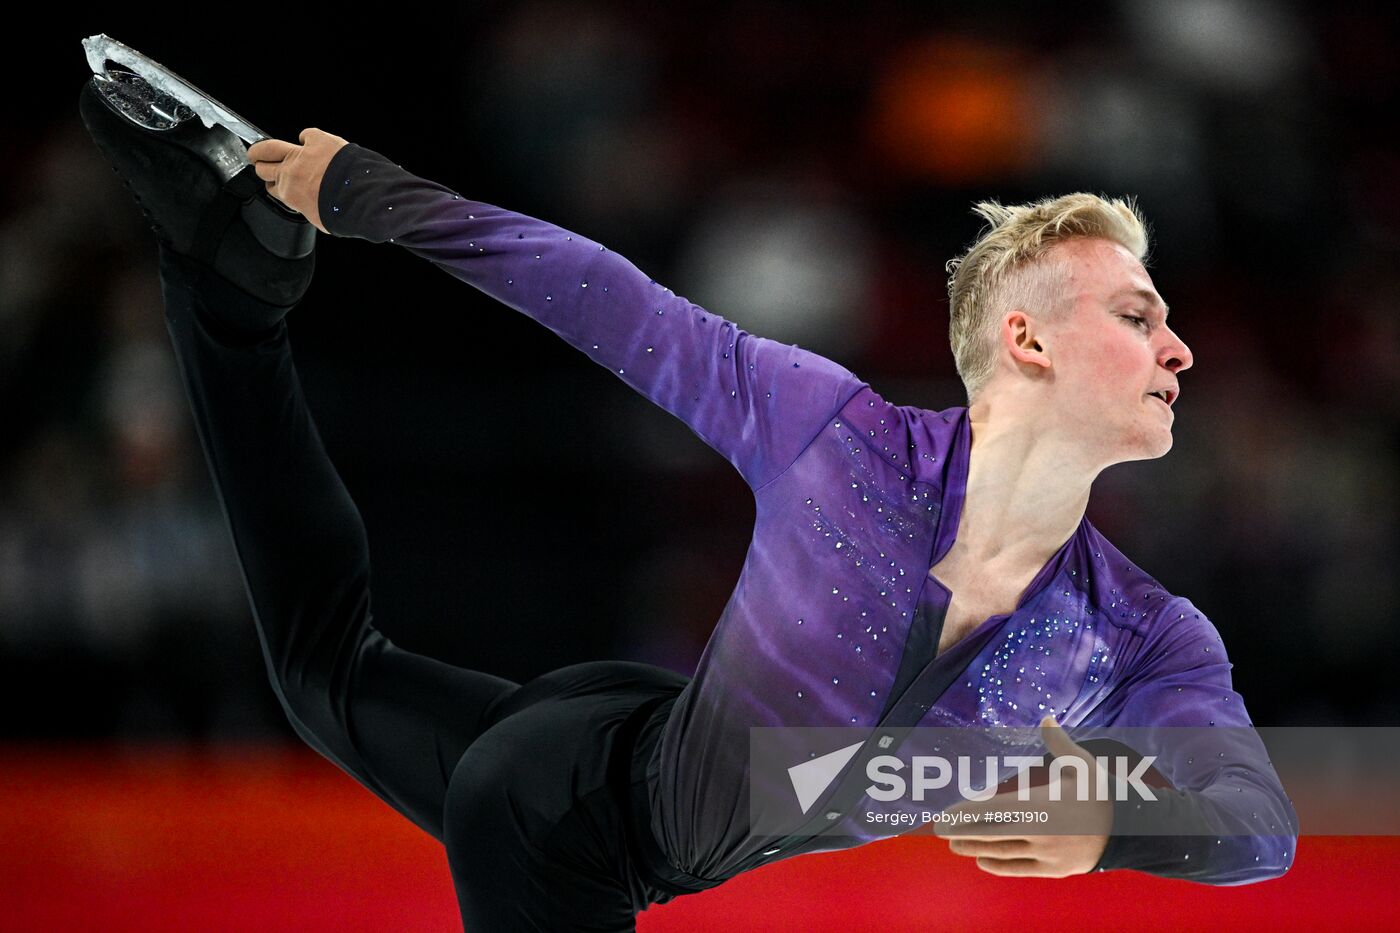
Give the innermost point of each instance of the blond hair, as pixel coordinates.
(1000, 271)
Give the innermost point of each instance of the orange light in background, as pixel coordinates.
(955, 111)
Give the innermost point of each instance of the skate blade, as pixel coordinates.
(152, 96)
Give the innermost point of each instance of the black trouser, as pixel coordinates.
(513, 779)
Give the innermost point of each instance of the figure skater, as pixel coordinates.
(902, 560)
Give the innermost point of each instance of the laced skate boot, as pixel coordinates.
(197, 189)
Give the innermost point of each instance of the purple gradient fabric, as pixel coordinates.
(834, 618)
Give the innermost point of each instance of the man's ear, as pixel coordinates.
(1023, 337)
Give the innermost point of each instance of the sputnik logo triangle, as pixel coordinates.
(811, 778)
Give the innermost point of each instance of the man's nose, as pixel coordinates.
(1175, 355)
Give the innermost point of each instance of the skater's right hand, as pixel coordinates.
(294, 172)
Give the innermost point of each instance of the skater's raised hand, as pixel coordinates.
(293, 172)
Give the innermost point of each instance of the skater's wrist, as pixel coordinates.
(334, 183)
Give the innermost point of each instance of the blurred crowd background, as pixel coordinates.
(804, 170)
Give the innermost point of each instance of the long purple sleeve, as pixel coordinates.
(834, 620)
(758, 402)
(1178, 697)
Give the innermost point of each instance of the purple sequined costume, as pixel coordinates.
(856, 498)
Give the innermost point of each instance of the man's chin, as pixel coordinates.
(1162, 447)
(1158, 441)
(1152, 446)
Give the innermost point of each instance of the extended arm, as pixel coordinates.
(758, 402)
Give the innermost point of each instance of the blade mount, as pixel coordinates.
(167, 99)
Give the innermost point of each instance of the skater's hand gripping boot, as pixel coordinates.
(293, 173)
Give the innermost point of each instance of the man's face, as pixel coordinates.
(1112, 351)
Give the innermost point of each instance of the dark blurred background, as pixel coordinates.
(802, 169)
